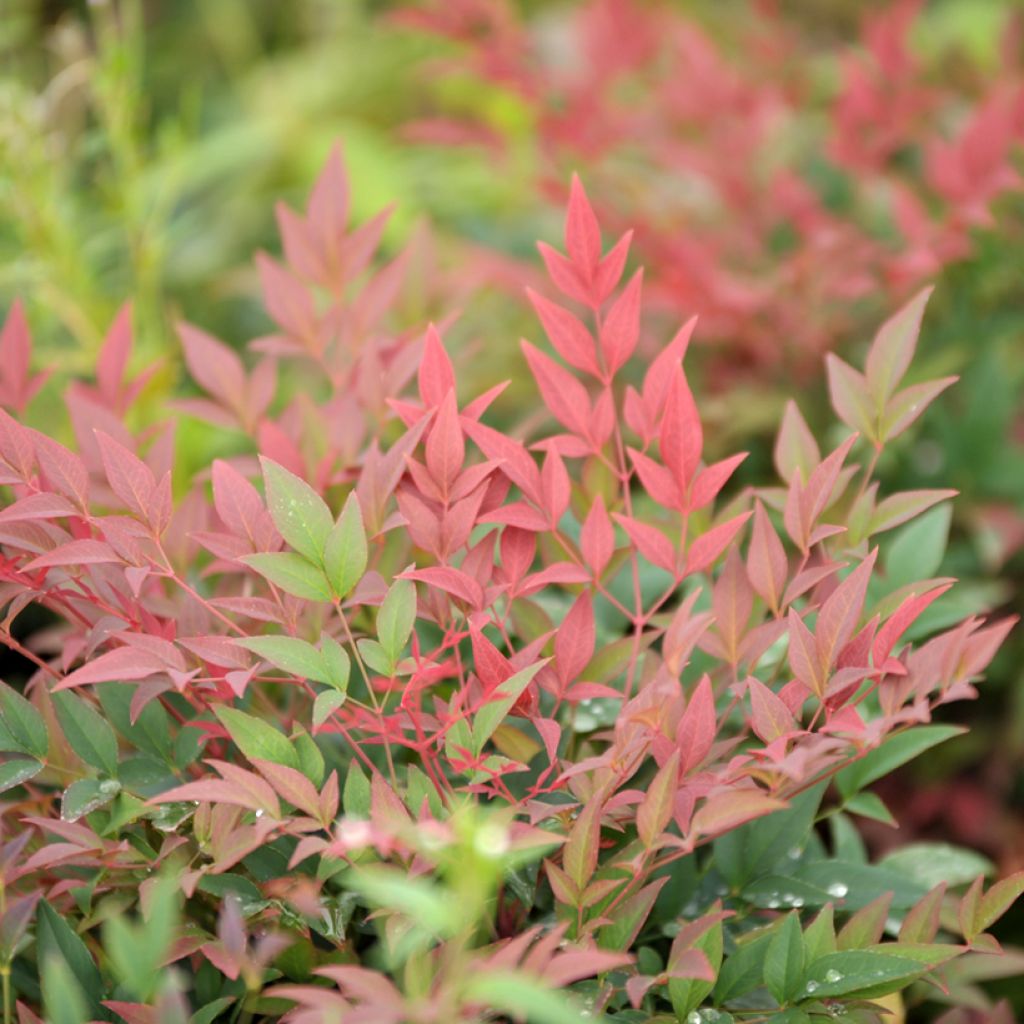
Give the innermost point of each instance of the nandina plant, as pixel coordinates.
(397, 717)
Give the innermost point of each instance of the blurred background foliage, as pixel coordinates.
(143, 146)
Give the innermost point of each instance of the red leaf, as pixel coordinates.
(563, 273)
(555, 487)
(436, 376)
(767, 565)
(125, 664)
(695, 733)
(712, 479)
(582, 233)
(708, 546)
(445, 447)
(76, 552)
(451, 581)
(839, 615)
(574, 641)
(900, 622)
(803, 654)
(215, 367)
(651, 542)
(327, 211)
(655, 810)
(129, 477)
(563, 394)
(772, 719)
(620, 331)
(113, 359)
(682, 437)
(597, 538)
(571, 339)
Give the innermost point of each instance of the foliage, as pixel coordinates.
(455, 723)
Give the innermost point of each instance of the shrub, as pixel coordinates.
(454, 724)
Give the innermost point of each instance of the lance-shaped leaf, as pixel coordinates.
(570, 338)
(299, 513)
(784, 960)
(655, 810)
(346, 552)
(292, 573)
(500, 703)
(395, 619)
(892, 350)
(256, 739)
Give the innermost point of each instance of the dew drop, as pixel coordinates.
(833, 976)
(798, 901)
(693, 1017)
(811, 987)
(838, 890)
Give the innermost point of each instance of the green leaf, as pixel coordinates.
(687, 994)
(24, 723)
(299, 513)
(138, 951)
(256, 739)
(524, 997)
(918, 549)
(870, 805)
(63, 1000)
(752, 850)
(87, 732)
(325, 705)
(422, 901)
(211, 1011)
(500, 703)
(289, 653)
(893, 752)
(151, 730)
(742, 971)
(779, 892)
(346, 554)
(56, 941)
(820, 935)
(784, 960)
(311, 761)
(87, 795)
(932, 863)
(856, 885)
(395, 620)
(374, 656)
(14, 773)
(355, 799)
(862, 973)
(337, 663)
(292, 573)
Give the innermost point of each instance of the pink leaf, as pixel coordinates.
(767, 565)
(570, 338)
(651, 542)
(436, 376)
(695, 733)
(900, 622)
(682, 437)
(620, 331)
(582, 233)
(574, 641)
(129, 477)
(597, 537)
(708, 546)
(563, 394)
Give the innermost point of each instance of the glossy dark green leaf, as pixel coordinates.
(87, 732)
(23, 723)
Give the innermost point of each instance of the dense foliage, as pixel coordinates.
(443, 722)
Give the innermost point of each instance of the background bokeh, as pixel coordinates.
(143, 146)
